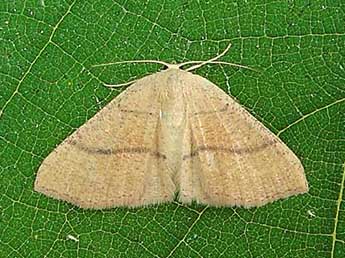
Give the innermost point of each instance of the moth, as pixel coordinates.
(172, 132)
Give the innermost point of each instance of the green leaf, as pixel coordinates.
(48, 88)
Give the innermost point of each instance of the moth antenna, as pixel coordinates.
(219, 62)
(134, 61)
(208, 61)
(176, 66)
(120, 85)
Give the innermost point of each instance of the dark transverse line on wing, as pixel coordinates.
(195, 152)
